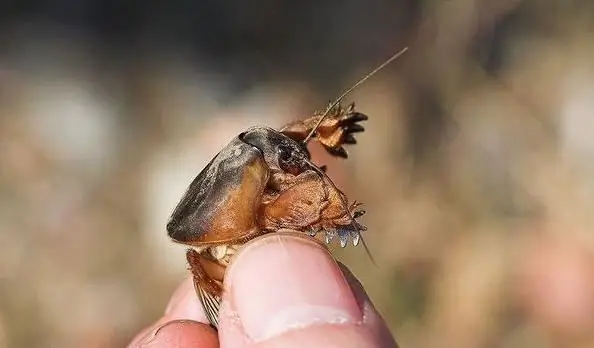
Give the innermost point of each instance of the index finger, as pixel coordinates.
(183, 324)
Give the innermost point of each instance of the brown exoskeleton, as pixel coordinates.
(263, 181)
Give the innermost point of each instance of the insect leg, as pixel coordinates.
(337, 129)
(297, 206)
(208, 290)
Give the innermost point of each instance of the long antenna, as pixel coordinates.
(339, 99)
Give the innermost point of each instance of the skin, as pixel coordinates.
(288, 305)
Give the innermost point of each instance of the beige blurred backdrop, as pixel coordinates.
(475, 168)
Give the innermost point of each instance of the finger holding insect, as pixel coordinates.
(262, 182)
(273, 299)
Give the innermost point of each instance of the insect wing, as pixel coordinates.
(211, 305)
(221, 203)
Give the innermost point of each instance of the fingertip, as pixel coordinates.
(372, 318)
(345, 336)
(179, 334)
(286, 287)
(285, 282)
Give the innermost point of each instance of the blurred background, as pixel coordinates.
(475, 168)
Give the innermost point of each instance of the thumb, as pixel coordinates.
(284, 290)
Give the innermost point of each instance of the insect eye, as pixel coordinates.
(284, 153)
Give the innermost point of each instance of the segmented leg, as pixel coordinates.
(198, 267)
(297, 206)
(208, 289)
(309, 204)
(337, 128)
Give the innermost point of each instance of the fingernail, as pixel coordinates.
(280, 283)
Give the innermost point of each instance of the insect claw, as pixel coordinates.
(352, 118)
(344, 238)
(350, 139)
(351, 108)
(358, 213)
(357, 117)
(339, 152)
(356, 238)
(343, 234)
(329, 236)
(355, 128)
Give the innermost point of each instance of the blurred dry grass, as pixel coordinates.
(477, 181)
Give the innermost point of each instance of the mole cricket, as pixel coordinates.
(262, 182)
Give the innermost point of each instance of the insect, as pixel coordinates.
(263, 181)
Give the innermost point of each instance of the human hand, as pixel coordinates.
(280, 291)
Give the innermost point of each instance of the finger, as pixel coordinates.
(287, 291)
(373, 318)
(183, 308)
(180, 334)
